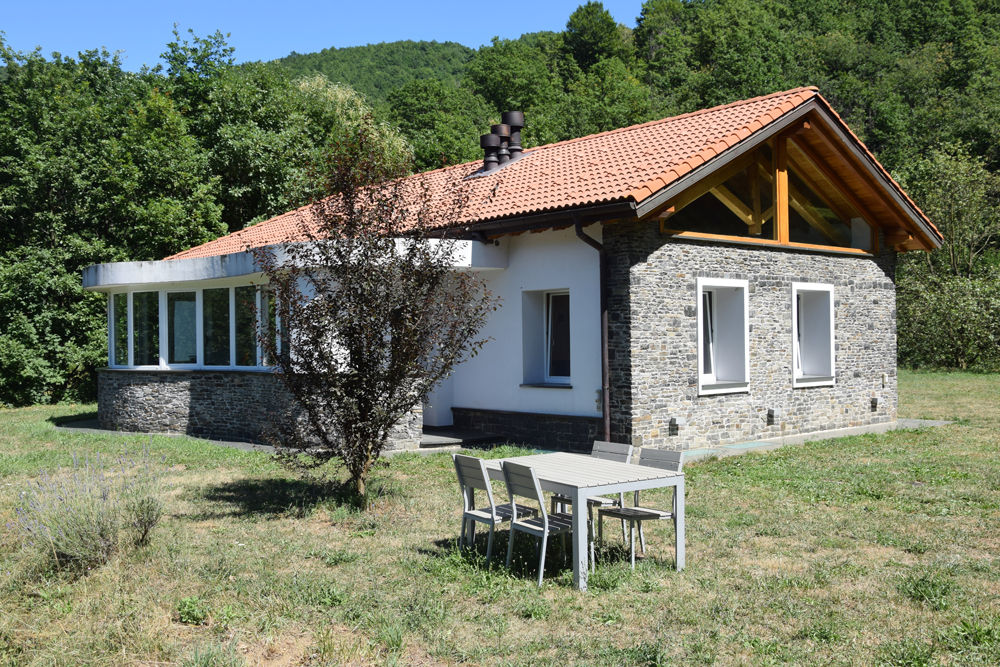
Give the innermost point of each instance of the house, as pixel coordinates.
(721, 276)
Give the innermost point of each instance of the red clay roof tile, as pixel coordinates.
(629, 163)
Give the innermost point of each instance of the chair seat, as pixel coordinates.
(636, 513)
(503, 513)
(600, 501)
(559, 522)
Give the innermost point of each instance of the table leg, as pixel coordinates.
(679, 523)
(580, 535)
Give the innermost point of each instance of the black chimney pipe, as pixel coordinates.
(515, 121)
(491, 144)
(502, 131)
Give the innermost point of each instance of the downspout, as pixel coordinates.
(605, 367)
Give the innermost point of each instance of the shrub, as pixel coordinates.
(84, 515)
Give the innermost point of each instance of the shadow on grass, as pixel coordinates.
(79, 420)
(612, 559)
(274, 498)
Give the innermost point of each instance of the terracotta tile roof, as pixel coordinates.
(627, 164)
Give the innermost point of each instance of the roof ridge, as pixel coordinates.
(647, 123)
(689, 114)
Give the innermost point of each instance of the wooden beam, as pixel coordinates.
(781, 188)
(835, 180)
(703, 187)
(733, 203)
(803, 207)
(756, 221)
(818, 187)
(809, 213)
(822, 134)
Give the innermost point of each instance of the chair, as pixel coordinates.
(610, 451)
(472, 475)
(522, 481)
(654, 458)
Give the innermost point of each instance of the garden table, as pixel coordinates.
(580, 476)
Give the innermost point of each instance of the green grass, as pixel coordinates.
(864, 550)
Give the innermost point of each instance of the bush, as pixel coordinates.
(949, 322)
(84, 515)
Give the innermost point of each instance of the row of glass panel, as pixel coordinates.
(218, 327)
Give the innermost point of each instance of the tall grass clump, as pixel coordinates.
(84, 514)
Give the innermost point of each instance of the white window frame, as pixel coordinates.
(164, 333)
(202, 359)
(710, 383)
(547, 337)
(798, 378)
(161, 304)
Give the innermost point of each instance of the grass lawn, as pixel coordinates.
(853, 551)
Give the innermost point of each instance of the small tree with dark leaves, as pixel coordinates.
(372, 313)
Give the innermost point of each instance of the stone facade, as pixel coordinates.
(653, 340)
(222, 405)
(562, 432)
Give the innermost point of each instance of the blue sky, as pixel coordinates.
(266, 30)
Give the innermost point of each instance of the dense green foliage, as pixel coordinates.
(377, 69)
(98, 164)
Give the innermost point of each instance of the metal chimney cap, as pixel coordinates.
(489, 141)
(513, 118)
(501, 130)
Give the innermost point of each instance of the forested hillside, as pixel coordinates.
(98, 164)
(375, 70)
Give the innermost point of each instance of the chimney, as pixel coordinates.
(515, 121)
(503, 143)
(502, 131)
(491, 144)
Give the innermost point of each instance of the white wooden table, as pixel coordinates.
(580, 476)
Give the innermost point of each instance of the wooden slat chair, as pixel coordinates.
(610, 451)
(472, 475)
(522, 482)
(654, 458)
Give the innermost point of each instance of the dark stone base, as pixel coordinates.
(219, 405)
(544, 431)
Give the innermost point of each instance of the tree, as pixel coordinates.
(955, 189)
(592, 34)
(372, 314)
(441, 121)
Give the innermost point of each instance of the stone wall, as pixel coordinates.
(653, 340)
(545, 431)
(221, 405)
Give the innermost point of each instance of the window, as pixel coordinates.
(146, 329)
(119, 330)
(723, 336)
(182, 328)
(246, 326)
(557, 336)
(215, 326)
(812, 335)
(546, 338)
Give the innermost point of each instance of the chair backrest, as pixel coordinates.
(522, 481)
(472, 475)
(612, 451)
(666, 459)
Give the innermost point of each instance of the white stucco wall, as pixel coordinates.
(554, 260)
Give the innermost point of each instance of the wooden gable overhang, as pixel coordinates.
(827, 158)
